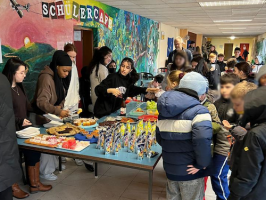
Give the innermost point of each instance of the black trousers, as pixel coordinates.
(31, 157)
(6, 194)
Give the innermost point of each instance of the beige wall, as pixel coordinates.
(219, 44)
(170, 32)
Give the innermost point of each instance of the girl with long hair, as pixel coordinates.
(180, 63)
(243, 70)
(15, 71)
(116, 88)
(97, 70)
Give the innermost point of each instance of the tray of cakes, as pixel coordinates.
(91, 136)
(53, 141)
(85, 122)
(65, 130)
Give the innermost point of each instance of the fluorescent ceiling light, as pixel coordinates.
(232, 32)
(232, 20)
(232, 28)
(231, 3)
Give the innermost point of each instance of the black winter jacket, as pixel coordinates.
(222, 65)
(248, 179)
(108, 103)
(214, 76)
(10, 171)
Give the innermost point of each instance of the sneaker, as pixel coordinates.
(49, 177)
(63, 167)
(78, 162)
(64, 160)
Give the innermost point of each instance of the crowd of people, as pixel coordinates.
(212, 117)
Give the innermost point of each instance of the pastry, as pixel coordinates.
(125, 120)
(65, 130)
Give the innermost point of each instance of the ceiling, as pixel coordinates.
(188, 14)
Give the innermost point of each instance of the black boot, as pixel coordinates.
(89, 167)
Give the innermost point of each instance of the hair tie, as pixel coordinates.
(181, 75)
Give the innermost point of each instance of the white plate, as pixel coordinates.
(53, 117)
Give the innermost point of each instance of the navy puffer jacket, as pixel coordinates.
(184, 131)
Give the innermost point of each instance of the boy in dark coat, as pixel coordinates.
(184, 130)
(248, 179)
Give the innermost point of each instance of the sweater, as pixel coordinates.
(214, 76)
(96, 80)
(45, 96)
(107, 103)
(184, 130)
(222, 65)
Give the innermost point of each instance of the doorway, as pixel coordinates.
(228, 50)
(83, 41)
(243, 47)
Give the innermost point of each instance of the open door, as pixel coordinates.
(228, 50)
(84, 44)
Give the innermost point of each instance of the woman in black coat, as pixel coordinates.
(116, 88)
(15, 71)
(10, 171)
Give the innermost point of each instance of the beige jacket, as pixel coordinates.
(45, 95)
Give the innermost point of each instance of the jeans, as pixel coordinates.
(185, 190)
(219, 178)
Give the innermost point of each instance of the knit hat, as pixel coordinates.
(261, 72)
(194, 81)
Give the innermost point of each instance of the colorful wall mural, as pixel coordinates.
(34, 38)
(261, 49)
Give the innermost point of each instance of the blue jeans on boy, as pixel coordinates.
(219, 178)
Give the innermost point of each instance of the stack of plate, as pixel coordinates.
(53, 124)
(28, 132)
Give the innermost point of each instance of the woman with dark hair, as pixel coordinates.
(111, 67)
(202, 68)
(243, 70)
(98, 70)
(15, 71)
(180, 63)
(116, 88)
(52, 87)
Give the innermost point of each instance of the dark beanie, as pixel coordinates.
(60, 58)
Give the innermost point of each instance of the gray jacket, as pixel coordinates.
(10, 171)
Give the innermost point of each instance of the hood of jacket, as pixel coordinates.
(255, 106)
(174, 103)
(47, 70)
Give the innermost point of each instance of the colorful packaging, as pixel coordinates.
(108, 141)
(117, 142)
(131, 142)
(140, 151)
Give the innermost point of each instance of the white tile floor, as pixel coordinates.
(114, 183)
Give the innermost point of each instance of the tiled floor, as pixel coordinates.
(114, 183)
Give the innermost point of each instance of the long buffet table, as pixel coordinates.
(123, 159)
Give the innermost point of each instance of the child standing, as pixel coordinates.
(248, 177)
(221, 144)
(184, 131)
(214, 77)
(221, 62)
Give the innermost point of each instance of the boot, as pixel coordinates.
(34, 176)
(18, 193)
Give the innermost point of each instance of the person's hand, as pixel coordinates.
(253, 66)
(192, 170)
(64, 114)
(226, 68)
(227, 125)
(153, 90)
(114, 92)
(212, 69)
(26, 123)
